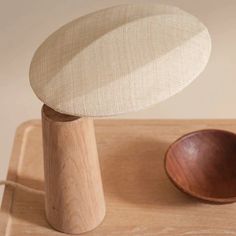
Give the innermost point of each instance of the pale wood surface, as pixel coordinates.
(74, 194)
(140, 198)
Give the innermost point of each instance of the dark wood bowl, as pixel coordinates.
(203, 164)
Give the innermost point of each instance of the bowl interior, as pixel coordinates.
(203, 164)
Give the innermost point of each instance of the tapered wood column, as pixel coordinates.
(73, 185)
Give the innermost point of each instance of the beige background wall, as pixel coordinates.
(24, 24)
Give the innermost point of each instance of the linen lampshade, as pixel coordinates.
(120, 59)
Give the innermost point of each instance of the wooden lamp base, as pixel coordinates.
(74, 193)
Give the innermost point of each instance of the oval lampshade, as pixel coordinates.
(119, 59)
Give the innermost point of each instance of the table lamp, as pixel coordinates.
(116, 60)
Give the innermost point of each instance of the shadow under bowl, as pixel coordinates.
(203, 165)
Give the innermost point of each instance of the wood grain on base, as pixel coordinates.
(140, 199)
(74, 193)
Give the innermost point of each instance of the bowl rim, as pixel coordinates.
(187, 191)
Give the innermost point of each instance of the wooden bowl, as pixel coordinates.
(203, 164)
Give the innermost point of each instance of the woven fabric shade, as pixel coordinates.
(119, 59)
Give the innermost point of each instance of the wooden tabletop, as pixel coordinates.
(139, 197)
